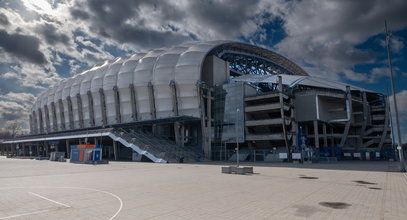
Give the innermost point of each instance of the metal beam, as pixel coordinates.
(350, 115)
(61, 114)
(133, 101)
(117, 104)
(54, 117)
(385, 125)
(47, 120)
(80, 111)
(103, 106)
(281, 99)
(152, 101)
(40, 120)
(173, 87)
(316, 136)
(70, 112)
(91, 109)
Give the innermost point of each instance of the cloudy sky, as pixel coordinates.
(42, 41)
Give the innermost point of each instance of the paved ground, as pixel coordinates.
(32, 189)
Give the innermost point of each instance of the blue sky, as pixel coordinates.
(43, 41)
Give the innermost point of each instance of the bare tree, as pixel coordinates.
(14, 129)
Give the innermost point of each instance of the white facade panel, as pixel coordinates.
(164, 73)
(57, 97)
(109, 82)
(124, 79)
(96, 85)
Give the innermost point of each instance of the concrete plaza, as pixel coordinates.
(31, 189)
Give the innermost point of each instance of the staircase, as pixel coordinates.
(161, 148)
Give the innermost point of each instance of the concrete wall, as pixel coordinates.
(306, 109)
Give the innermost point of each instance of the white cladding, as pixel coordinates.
(149, 73)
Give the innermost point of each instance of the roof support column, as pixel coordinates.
(61, 113)
(152, 101)
(70, 112)
(386, 123)
(203, 121)
(174, 97)
(80, 111)
(47, 119)
(133, 102)
(325, 135)
(281, 98)
(91, 110)
(349, 107)
(103, 106)
(117, 104)
(316, 137)
(116, 156)
(54, 117)
(41, 120)
(31, 123)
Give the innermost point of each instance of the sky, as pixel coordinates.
(44, 41)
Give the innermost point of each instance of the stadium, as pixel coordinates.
(203, 101)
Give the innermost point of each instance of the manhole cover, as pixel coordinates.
(364, 182)
(335, 205)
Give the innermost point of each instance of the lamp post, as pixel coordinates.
(399, 147)
(237, 140)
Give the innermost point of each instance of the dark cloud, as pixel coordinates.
(79, 14)
(50, 34)
(124, 21)
(4, 20)
(224, 17)
(22, 46)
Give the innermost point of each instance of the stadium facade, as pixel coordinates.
(201, 99)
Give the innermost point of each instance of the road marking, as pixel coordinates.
(67, 187)
(56, 202)
(24, 214)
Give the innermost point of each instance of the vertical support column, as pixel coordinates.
(386, 123)
(204, 131)
(349, 107)
(61, 114)
(133, 94)
(91, 110)
(35, 122)
(209, 120)
(281, 98)
(103, 106)
(80, 111)
(54, 117)
(325, 135)
(152, 101)
(116, 156)
(316, 136)
(117, 104)
(182, 137)
(41, 120)
(31, 124)
(177, 133)
(365, 119)
(70, 112)
(47, 120)
(174, 97)
(46, 149)
(67, 148)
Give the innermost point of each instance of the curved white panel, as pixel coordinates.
(95, 86)
(163, 74)
(57, 97)
(109, 82)
(124, 79)
(142, 76)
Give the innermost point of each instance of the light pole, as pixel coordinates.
(237, 140)
(399, 147)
